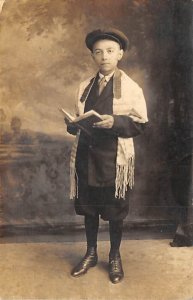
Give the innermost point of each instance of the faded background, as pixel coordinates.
(42, 60)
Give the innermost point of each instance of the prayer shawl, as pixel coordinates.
(126, 95)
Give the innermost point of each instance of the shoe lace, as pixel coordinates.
(87, 257)
(115, 264)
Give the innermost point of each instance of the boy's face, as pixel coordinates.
(106, 54)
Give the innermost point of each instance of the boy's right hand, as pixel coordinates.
(67, 122)
(71, 127)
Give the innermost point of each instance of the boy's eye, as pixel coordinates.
(110, 51)
(97, 52)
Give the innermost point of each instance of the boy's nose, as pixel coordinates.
(104, 56)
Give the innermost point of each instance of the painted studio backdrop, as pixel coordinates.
(42, 60)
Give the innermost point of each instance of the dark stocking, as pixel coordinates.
(115, 230)
(91, 227)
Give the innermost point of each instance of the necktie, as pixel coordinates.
(102, 84)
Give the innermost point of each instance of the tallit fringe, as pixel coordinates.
(73, 173)
(124, 177)
(73, 183)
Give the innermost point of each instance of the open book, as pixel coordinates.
(85, 121)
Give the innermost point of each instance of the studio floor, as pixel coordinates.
(40, 269)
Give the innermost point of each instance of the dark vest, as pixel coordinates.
(96, 155)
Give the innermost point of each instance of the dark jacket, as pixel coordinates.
(96, 155)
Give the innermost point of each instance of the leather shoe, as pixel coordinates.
(89, 260)
(116, 273)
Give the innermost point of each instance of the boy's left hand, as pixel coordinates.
(107, 122)
(137, 119)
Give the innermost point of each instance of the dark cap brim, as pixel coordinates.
(113, 34)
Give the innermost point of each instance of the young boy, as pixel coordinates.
(102, 165)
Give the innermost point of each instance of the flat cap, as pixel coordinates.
(109, 34)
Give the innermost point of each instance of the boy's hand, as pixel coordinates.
(137, 119)
(67, 122)
(71, 127)
(107, 122)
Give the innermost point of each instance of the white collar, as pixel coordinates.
(107, 77)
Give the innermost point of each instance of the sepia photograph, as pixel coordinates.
(96, 128)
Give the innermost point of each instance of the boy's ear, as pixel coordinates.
(120, 54)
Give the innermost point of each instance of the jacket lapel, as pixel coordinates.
(106, 93)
